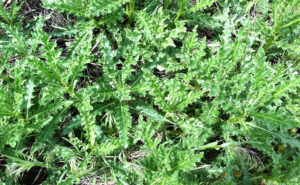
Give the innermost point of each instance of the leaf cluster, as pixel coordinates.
(150, 92)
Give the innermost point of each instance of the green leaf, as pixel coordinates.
(123, 122)
(46, 70)
(74, 123)
(145, 23)
(3, 13)
(285, 87)
(78, 45)
(200, 5)
(275, 11)
(29, 95)
(151, 113)
(76, 7)
(6, 109)
(273, 118)
(47, 132)
(289, 23)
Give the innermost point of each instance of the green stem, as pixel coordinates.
(269, 42)
(130, 11)
(178, 15)
(166, 4)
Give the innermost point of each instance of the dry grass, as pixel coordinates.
(90, 180)
(33, 8)
(6, 3)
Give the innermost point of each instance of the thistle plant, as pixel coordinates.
(149, 92)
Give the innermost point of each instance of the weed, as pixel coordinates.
(149, 92)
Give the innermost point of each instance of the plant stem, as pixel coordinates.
(178, 15)
(269, 42)
(131, 11)
(166, 4)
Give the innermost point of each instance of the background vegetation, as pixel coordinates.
(149, 92)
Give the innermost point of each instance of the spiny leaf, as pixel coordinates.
(102, 92)
(286, 86)
(291, 141)
(75, 122)
(105, 6)
(46, 71)
(26, 162)
(275, 11)
(5, 112)
(123, 122)
(78, 44)
(5, 108)
(14, 10)
(200, 5)
(273, 118)
(145, 23)
(152, 113)
(3, 13)
(29, 95)
(48, 131)
(76, 7)
(289, 23)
